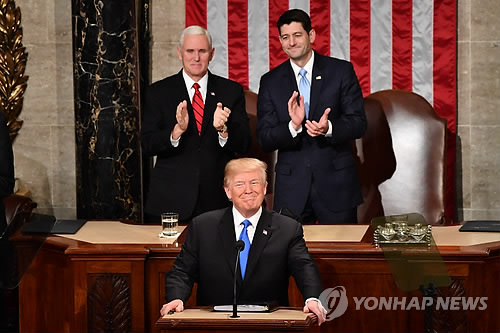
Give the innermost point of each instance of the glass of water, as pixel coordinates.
(169, 223)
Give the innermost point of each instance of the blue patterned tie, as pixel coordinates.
(244, 253)
(305, 90)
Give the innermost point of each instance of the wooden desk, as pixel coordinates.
(76, 286)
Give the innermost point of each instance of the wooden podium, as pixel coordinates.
(204, 319)
(77, 282)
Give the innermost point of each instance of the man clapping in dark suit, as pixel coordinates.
(316, 175)
(274, 250)
(194, 122)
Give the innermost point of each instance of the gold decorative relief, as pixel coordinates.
(13, 58)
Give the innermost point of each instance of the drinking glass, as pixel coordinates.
(169, 223)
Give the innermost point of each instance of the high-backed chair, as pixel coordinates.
(375, 160)
(402, 157)
(255, 149)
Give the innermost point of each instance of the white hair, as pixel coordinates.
(195, 30)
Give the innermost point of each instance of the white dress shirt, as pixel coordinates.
(238, 226)
(203, 82)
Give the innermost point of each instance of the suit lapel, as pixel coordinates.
(182, 91)
(288, 81)
(317, 79)
(210, 103)
(287, 85)
(228, 239)
(260, 238)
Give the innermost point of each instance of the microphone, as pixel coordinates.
(240, 246)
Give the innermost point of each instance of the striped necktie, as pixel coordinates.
(198, 106)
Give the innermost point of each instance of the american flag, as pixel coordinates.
(393, 44)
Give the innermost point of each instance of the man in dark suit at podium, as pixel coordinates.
(275, 249)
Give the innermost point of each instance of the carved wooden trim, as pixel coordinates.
(450, 320)
(108, 303)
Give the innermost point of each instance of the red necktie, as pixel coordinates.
(198, 106)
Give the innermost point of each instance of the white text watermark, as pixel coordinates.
(420, 303)
(336, 302)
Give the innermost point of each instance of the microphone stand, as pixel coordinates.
(240, 245)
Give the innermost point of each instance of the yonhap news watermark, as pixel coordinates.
(417, 303)
(335, 301)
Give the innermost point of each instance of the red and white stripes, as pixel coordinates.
(398, 44)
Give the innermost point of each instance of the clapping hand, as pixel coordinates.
(315, 128)
(296, 110)
(182, 117)
(221, 116)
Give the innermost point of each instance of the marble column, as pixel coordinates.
(106, 68)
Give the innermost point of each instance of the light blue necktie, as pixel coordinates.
(246, 250)
(305, 90)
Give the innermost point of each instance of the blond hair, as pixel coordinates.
(245, 164)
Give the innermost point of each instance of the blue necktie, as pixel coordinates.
(305, 90)
(244, 253)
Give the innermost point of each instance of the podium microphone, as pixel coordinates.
(240, 246)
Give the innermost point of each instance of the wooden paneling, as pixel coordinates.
(62, 291)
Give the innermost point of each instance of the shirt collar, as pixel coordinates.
(238, 218)
(203, 82)
(308, 67)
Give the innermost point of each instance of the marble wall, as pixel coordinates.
(44, 151)
(478, 168)
(107, 86)
(45, 148)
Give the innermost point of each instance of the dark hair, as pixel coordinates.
(294, 15)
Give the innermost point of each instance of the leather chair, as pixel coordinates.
(255, 149)
(402, 158)
(18, 209)
(375, 160)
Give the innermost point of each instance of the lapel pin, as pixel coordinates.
(264, 232)
(212, 93)
(318, 77)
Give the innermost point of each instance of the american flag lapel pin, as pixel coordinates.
(264, 232)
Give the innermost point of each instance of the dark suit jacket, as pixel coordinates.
(6, 168)
(193, 172)
(329, 161)
(208, 257)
